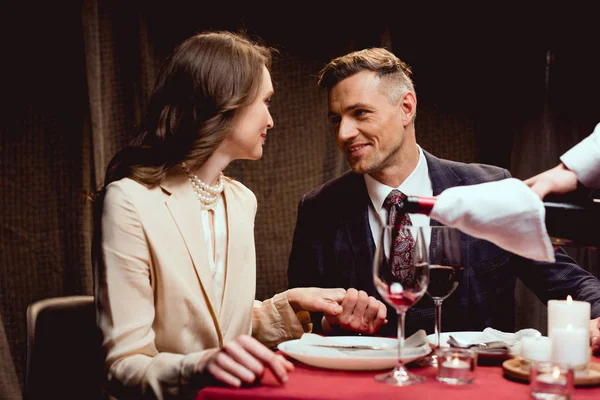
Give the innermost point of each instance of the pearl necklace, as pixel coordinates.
(206, 194)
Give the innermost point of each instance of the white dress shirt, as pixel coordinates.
(417, 183)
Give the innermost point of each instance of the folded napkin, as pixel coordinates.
(506, 213)
(417, 339)
(512, 340)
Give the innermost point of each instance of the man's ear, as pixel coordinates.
(408, 106)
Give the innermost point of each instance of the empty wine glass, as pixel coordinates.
(445, 272)
(401, 274)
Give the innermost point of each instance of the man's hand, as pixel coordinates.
(595, 335)
(557, 180)
(244, 359)
(361, 313)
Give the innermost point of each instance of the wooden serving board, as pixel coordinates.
(513, 368)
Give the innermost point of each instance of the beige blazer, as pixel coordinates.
(154, 289)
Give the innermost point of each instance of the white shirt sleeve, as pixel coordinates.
(584, 160)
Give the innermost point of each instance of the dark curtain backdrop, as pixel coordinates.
(511, 91)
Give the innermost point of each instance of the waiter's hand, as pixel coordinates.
(361, 313)
(557, 180)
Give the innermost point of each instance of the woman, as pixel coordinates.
(174, 249)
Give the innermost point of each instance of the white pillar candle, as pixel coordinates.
(536, 348)
(577, 314)
(568, 312)
(570, 346)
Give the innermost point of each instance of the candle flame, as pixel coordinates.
(455, 361)
(556, 372)
(569, 299)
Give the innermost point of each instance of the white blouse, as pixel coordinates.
(216, 243)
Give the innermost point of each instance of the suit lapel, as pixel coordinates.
(358, 229)
(235, 234)
(442, 177)
(441, 174)
(185, 210)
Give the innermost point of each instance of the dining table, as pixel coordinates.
(307, 382)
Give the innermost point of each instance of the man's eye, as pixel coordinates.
(334, 120)
(359, 113)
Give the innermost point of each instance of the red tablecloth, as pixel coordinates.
(315, 383)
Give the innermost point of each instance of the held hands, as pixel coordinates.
(244, 360)
(315, 299)
(361, 313)
(558, 180)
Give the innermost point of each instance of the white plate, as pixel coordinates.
(353, 360)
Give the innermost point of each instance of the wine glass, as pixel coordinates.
(445, 272)
(401, 274)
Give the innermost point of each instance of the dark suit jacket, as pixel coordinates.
(333, 247)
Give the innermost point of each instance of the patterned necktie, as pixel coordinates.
(403, 240)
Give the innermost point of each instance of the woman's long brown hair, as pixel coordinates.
(205, 81)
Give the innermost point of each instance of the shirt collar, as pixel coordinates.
(416, 183)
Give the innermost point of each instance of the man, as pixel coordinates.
(372, 109)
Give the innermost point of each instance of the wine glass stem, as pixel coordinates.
(438, 321)
(400, 364)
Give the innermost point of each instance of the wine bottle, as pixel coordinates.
(573, 223)
(570, 220)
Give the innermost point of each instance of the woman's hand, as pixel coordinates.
(244, 360)
(315, 299)
(558, 180)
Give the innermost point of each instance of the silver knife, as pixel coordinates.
(349, 346)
